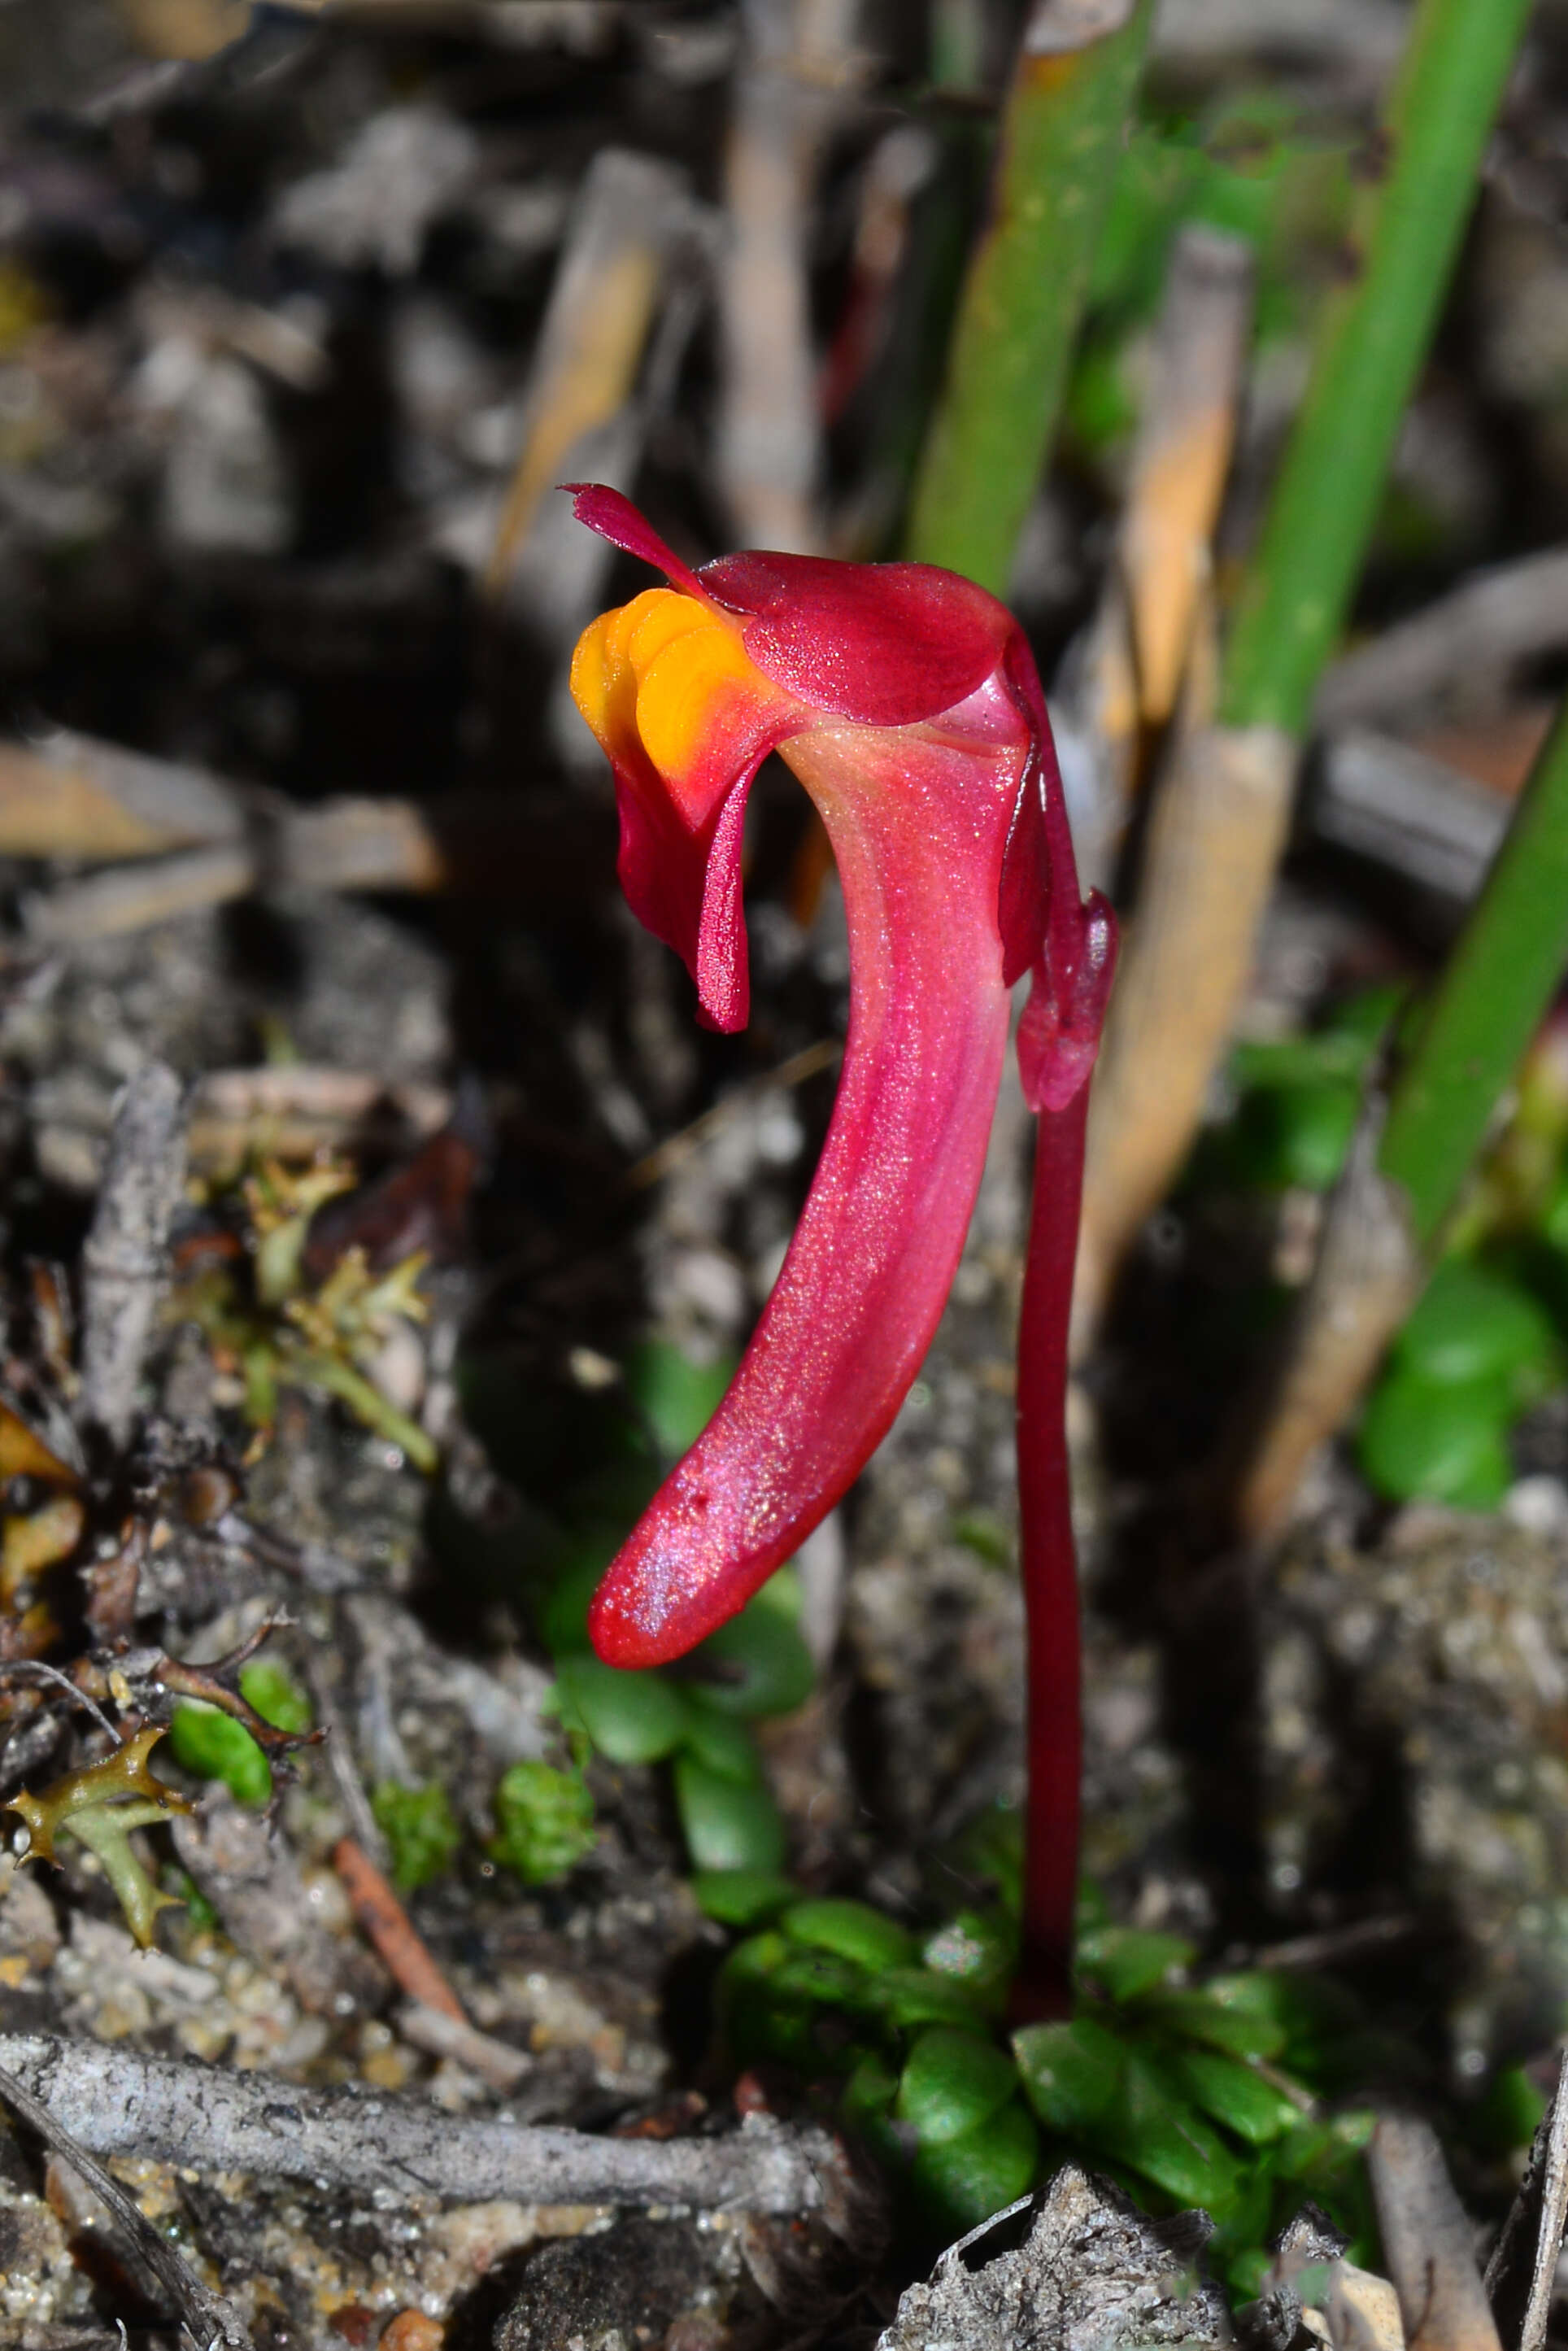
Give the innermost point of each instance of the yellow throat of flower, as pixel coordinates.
(666, 672)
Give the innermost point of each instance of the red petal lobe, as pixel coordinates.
(887, 644)
(616, 518)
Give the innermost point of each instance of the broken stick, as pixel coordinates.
(115, 2101)
(125, 1259)
(1427, 2243)
(210, 2319)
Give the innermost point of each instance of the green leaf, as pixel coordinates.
(820, 1978)
(1233, 2094)
(1508, 2112)
(631, 1716)
(854, 1930)
(1296, 1134)
(1446, 1441)
(982, 1532)
(1306, 2010)
(757, 1664)
(991, 1848)
(977, 1950)
(723, 1745)
(562, 1612)
(753, 1962)
(1319, 2152)
(276, 1698)
(1253, 2216)
(211, 1745)
(784, 1594)
(742, 1897)
(1123, 1961)
(1198, 2016)
(1071, 2073)
(1343, 1048)
(911, 1996)
(726, 1825)
(419, 1827)
(1471, 1324)
(866, 2110)
(952, 2082)
(544, 1821)
(676, 1396)
(1555, 1215)
(962, 2182)
(1156, 2133)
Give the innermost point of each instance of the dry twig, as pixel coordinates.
(1523, 2270)
(628, 219)
(115, 2101)
(294, 1112)
(125, 1258)
(673, 1152)
(1488, 623)
(1365, 1280)
(210, 2319)
(246, 1870)
(1428, 2242)
(390, 1928)
(72, 796)
(770, 451)
(1395, 804)
(496, 2063)
(134, 897)
(1182, 454)
(1127, 675)
(1215, 835)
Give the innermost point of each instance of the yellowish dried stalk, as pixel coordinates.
(769, 433)
(1123, 678)
(1215, 837)
(71, 796)
(602, 306)
(1182, 455)
(1367, 1279)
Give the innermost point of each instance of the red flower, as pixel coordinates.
(906, 701)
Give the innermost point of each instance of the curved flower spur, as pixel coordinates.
(906, 700)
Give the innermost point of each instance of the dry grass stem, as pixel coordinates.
(1487, 625)
(1182, 455)
(1216, 832)
(342, 844)
(1367, 1279)
(770, 441)
(1124, 677)
(71, 796)
(134, 897)
(1428, 2242)
(1523, 2270)
(293, 1111)
(1397, 805)
(677, 1148)
(601, 310)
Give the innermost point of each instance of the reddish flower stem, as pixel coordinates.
(1043, 1987)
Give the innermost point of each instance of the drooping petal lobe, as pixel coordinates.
(906, 701)
(918, 844)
